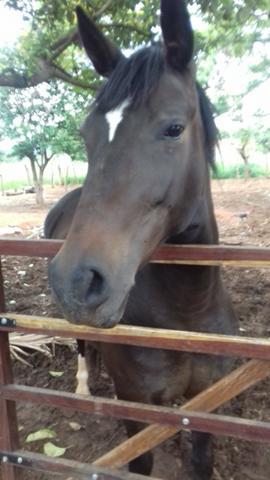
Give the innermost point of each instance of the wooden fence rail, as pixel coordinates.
(164, 421)
(141, 336)
(175, 254)
(178, 418)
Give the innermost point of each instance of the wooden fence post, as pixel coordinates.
(9, 438)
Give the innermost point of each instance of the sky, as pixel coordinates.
(11, 26)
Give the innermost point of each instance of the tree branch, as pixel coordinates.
(72, 37)
(60, 46)
(126, 26)
(102, 9)
(57, 72)
(47, 71)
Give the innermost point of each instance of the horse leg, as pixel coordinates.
(202, 459)
(144, 463)
(82, 373)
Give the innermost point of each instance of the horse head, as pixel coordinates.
(148, 171)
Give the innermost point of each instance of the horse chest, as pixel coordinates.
(148, 375)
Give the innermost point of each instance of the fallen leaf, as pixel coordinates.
(52, 450)
(56, 374)
(40, 435)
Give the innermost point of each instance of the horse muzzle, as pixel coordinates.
(85, 293)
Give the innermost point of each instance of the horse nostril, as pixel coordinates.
(96, 283)
(96, 291)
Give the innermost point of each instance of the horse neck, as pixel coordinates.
(203, 227)
(194, 287)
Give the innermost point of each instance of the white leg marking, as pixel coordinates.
(115, 117)
(82, 377)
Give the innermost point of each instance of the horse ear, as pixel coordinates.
(101, 51)
(177, 33)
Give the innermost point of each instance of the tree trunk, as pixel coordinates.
(2, 185)
(247, 169)
(39, 195)
(29, 181)
(244, 156)
(39, 192)
(38, 182)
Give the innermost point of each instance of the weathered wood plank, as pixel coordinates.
(202, 422)
(8, 418)
(2, 291)
(58, 466)
(146, 337)
(29, 248)
(212, 255)
(207, 401)
(175, 254)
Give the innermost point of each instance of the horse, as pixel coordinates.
(150, 137)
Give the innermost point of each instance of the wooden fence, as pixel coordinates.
(164, 421)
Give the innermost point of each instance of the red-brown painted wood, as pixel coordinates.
(166, 253)
(8, 418)
(80, 470)
(2, 291)
(203, 422)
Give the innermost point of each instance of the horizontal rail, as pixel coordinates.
(142, 336)
(61, 466)
(175, 254)
(199, 421)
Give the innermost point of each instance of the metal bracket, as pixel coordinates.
(11, 459)
(7, 322)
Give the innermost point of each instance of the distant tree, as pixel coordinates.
(244, 137)
(250, 138)
(262, 133)
(41, 122)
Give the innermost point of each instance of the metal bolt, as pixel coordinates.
(19, 460)
(185, 421)
(4, 459)
(4, 321)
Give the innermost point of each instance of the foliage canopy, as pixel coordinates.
(49, 48)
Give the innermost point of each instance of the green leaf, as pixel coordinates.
(40, 435)
(56, 374)
(52, 450)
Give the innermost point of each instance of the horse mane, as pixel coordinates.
(209, 126)
(137, 77)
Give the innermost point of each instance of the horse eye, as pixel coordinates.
(174, 131)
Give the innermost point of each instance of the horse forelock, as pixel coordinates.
(134, 78)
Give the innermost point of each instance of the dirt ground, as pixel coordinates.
(242, 210)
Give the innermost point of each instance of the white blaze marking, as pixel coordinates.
(82, 377)
(115, 117)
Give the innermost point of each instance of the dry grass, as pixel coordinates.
(23, 345)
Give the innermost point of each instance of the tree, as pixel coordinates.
(242, 114)
(42, 122)
(249, 136)
(50, 48)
